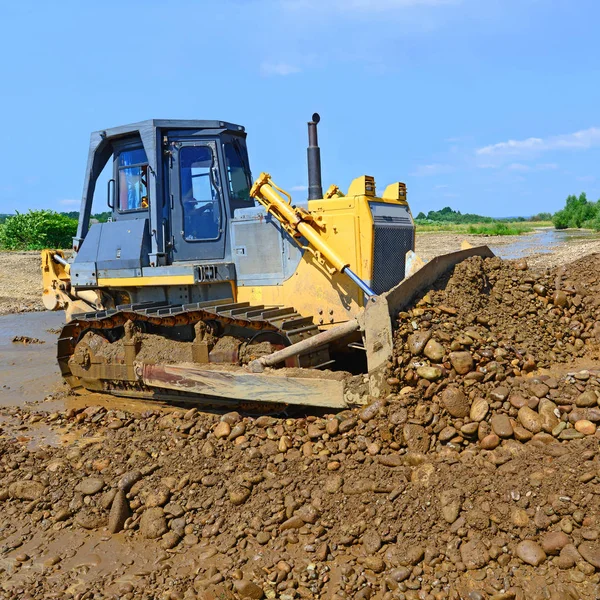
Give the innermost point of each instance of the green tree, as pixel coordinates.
(37, 229)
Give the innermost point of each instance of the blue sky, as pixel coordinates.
(489, 106)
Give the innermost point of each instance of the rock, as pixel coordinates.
(519, 517)
(170, 540)
(429, 373)
(332, 426)
(119, 512)
(479, 409)
(474, 555)
(222, 430)
(423, 474)
(539, 390)
(374, 563)
(517, 401)
(413, 555)
(294, 522)
(159, 497)
(263, 537)
(531, 553)
(129, 479)
(559, 298)
(238, 495)
(489, 442)
(153, 523)
(546, 410)
(455, 402)
(26, 490)
(371, 542)
(308, 513)
(400, 574)
(333, 484)
(417, 341)
(369, 412)
(587, 399)
(521, 434)
(501, 425)
(347, 424)
(315, 431)
(90, 520)
(530, 419)
(434, 351)
(248, 589)
(586, 427)
(89, 486)
(450, 502)
(499, 394)
(461, 361)
(590, 552)
(521, 264)
(554, 541)
(569, 556)
(416, 438)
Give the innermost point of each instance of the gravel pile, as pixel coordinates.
(477, 478)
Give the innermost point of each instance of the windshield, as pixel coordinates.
(239, 179)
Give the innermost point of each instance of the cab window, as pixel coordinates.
(239, 180)
(199, 194)
(133, 180)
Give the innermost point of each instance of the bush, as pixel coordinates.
(37, 229)
(578, 212)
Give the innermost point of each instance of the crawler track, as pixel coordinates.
(241, 320)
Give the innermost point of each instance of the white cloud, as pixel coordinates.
(279, 69)
(586, 178)
(440, 187)
(430, 170)
(69, 202)
(586, 138)
(299, 188)
(526, 168)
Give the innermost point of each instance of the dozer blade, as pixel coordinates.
(309, 388)
(378, 317)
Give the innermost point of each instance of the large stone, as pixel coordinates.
(153, 523)
(222, 430)
(560, 298)
(587, 399)
(417, 341)
(590, 552)
(586, 427)
(455, 402)
(434, 351)
(366, 414)
(26, 490)
(238, 495)
(539, 389)
(479, 409)
(530, 419)
(531, 553)
(546, 410)
(429, 373)
(89, 486)
(248, 589)
(554, 541)
(501, 425)
(450, 502)
(119, 512)
(416, 438)
(461, 361)
(371, 541)
(474, 555)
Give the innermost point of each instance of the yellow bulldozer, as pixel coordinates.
(207, 286)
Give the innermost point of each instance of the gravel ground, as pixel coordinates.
(20, 282)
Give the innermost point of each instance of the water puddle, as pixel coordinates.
(542, 241)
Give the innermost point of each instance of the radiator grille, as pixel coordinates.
(391, 243)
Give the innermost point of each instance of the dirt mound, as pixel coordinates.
(477, 478)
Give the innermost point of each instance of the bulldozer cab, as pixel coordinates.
(179, 181)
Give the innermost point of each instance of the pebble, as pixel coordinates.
(489, 442)
(474, 554)
(455, 402)
(417, 341)
(479, 409)
(585, 427)
(248, 589)
(119, 512)
(461, 361)
(222, 430)
(501, 425)
(434, 351)
(587, 399)
(531, 553)
(26, 490)
(429, 373)
(500, 394)
(239, 495)
(153, 523)
(590, 552)
(554, 541)
(530, 419)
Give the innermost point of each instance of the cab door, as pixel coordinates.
(198, 218)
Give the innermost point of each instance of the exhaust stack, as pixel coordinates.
(315, 188)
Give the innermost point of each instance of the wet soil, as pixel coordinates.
(477, 478)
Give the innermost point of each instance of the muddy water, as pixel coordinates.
(541, 241)
(28, 372)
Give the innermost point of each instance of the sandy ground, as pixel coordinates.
(21, 285)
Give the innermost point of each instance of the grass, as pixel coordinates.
(496, 228)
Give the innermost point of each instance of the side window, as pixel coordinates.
(239, 180)
(133, 180)
(199, 194)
